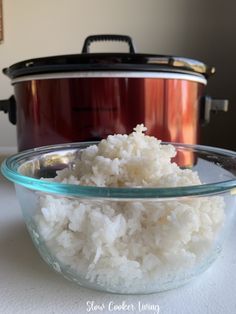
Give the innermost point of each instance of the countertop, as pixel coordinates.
(28, 285)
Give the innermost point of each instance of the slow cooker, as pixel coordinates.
(87, 96)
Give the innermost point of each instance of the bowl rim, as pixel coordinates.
(11, 164)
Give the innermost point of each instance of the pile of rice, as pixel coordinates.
(117, 245)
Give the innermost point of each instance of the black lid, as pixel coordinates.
(108, 62)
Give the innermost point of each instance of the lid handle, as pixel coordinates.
(92, 38)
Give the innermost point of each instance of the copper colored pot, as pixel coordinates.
(91, 95)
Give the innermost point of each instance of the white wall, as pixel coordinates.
(190, 28)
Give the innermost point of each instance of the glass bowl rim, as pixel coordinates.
(9, 170)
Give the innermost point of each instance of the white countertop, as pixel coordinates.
(28, 285)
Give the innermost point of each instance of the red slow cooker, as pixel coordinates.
(88, 96)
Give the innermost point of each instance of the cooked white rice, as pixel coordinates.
(125, 243)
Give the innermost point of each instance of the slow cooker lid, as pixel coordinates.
(108, 62)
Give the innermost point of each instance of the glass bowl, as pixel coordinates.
(125, 240)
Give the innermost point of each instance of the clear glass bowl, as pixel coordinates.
(125, 240)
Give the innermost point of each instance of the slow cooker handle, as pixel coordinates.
(9, 106)
(93, 38)
(209, 105)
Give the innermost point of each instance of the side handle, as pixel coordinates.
(9, 106)
(209, 105)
